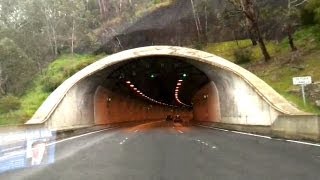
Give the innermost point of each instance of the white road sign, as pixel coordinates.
(302, 80)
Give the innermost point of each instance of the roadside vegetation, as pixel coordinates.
(16, 110)
(284, 64)
(43, 42)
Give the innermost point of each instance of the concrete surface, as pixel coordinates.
(297, 127)
(161, 151)
(243, 97)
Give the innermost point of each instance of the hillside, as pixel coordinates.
(284, 65)
(278, 72)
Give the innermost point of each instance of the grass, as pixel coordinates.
(279, 72)
(58, 71)
(226, 49)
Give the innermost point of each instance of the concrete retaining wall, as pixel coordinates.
(305, 127)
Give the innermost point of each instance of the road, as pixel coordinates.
(164, 151)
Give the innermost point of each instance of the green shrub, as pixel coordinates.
(9, 103)
(242, 56)
(50, 83)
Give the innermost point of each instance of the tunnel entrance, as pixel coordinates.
(148, 83)
(155, 81)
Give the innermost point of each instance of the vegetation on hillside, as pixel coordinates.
(15, 110)
(36, 35)
(284, 65)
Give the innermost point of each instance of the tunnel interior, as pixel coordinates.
(144, 85)
(162, 80)
(151, 88)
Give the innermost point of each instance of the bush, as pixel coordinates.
(9, 103)
(242, 56)
(49, 84)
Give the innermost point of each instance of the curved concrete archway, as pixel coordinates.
(243, 97)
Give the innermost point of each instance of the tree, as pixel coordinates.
(311, 12)
(290, 17)
(249, 11)
(15, 68)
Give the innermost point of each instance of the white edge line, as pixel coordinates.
(75, 137)
(249, 134)
(266, 137)
(301, 142)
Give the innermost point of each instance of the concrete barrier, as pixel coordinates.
(303, 127)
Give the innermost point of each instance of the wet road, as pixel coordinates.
(164, 151)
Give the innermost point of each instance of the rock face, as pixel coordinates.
(175, 25)
(313, 93)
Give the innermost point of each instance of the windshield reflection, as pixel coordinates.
(26, 148)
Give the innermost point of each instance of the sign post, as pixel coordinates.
(302, 81)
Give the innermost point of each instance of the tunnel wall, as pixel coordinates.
(240, 103)
(244, 98)
(76, 108)
(111, 107)
(86, 104)
(206, 105)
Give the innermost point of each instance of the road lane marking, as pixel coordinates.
(301, 142)
(136, 130)
(214, 128)
(266, 137)
(180, 131)
(213, 147)
(75, 137)
(249, 134)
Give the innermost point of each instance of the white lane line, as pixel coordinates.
(180, 131)
(238, 132)
(213, 147)
(75, 137)
(136, 130)
(214, 128)
(249, 134)
(305, 143)
(126, 138)
(266, 137)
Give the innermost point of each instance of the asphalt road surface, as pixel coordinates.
(164, 151)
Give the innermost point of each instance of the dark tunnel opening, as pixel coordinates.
(153, 87)
(162, 80)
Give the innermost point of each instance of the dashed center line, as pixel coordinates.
(180, 131)
(136, 130)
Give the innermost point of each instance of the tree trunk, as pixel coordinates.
(206, 23)
(3, 81)
(262, 45)
(249, 11)
(252, 37)
(289, 31)
(72, 37)
(196, 20)
(293, 47)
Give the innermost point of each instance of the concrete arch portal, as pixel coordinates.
(227, 93)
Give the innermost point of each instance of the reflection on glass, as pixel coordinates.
(26, 148)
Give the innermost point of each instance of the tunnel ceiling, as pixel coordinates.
(157, 77)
